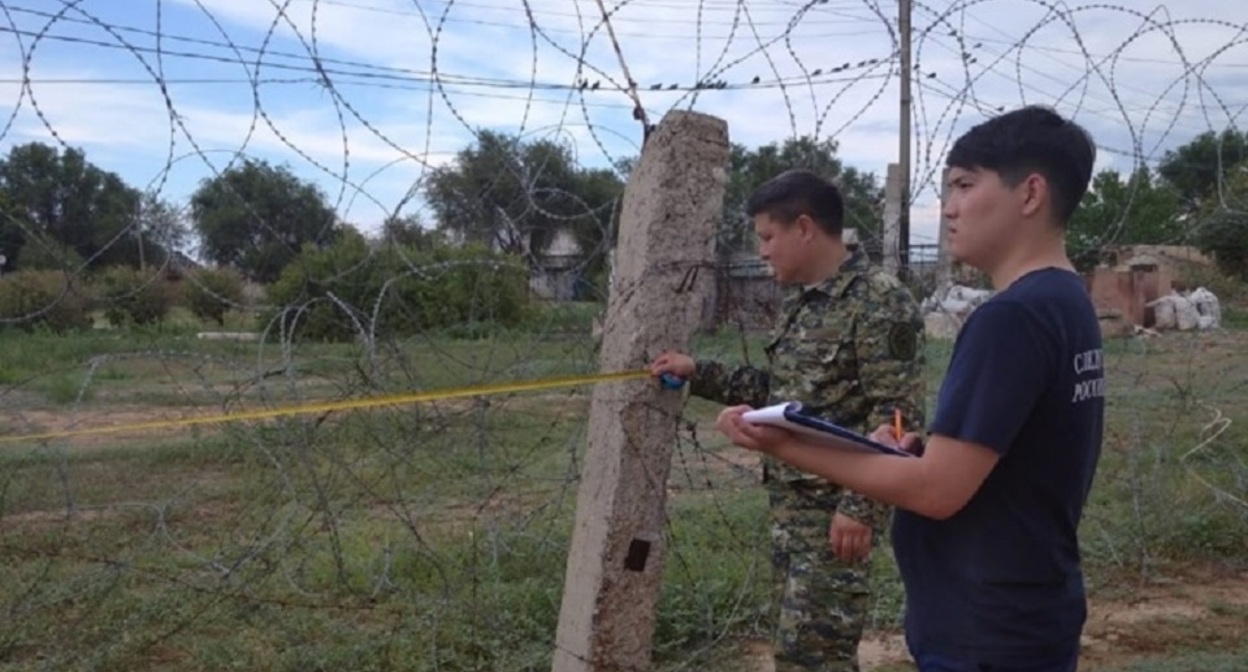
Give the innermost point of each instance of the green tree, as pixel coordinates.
(518, 196)
(1141, 210)
(331, 294)
(409, 231)
(133, 297)
(625, 166)
(1221, 226)
(864, 197)
(211, 293)
(34, 299)
(66, 203)
(257, 217)
(1197, 168)
(40, 253)
(162, 229)
(12, 234)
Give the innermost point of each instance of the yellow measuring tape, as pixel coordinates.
(344, 405)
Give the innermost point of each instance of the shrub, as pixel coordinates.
(211, 292)
(1229, 289)
(1224, 236)
(43, 299)
(42, 254)
(131, 296)
(333, 293)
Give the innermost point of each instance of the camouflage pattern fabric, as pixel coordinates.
(819, 602)
(851, 350)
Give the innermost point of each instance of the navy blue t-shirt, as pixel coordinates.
(999, 582)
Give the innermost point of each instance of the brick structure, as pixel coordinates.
(1125, 291)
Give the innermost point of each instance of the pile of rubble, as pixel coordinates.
(1198, 309)
(948, 307)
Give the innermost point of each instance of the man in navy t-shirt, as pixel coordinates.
(999, 582)
(985, 533)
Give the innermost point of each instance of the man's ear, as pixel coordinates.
(1034, 192)
(806, 227)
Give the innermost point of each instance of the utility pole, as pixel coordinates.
(138, 225)
(903, 222)
(944, 268)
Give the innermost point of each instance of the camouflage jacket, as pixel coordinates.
(851, 350)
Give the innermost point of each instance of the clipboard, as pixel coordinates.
(790, 416)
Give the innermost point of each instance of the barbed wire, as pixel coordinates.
(439, 532)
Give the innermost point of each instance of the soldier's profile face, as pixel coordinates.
(781, 245)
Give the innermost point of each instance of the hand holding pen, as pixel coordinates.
(895, 435)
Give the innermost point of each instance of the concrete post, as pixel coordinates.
(892, 219)
(664, 267)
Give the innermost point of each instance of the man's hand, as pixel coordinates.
(761, 438)
(676, 363)
(850, 540)
(910, 442)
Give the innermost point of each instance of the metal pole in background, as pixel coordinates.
(905, 9)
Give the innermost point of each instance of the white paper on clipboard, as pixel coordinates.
(789, 416)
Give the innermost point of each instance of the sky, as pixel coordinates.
(364, 97)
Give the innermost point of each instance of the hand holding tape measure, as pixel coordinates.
(673, 369)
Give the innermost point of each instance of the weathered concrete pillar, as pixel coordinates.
(663, 270)
(892, 219)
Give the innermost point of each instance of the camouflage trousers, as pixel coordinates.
(822, 602)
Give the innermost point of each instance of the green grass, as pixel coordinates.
(435, 536)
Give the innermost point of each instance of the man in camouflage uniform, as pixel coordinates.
(849, 346)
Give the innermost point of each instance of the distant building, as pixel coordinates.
(745, 293)
(1137, 276)
(557, 273)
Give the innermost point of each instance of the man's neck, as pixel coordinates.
(1048, 251)
(829, 264)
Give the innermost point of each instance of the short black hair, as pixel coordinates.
(798, 192)
(1032, 139)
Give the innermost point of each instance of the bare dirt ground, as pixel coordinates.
(109, 421)
(1194, 609)
(1207, 610)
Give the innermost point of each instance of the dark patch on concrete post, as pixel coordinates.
(638, 553)
(662, 277)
